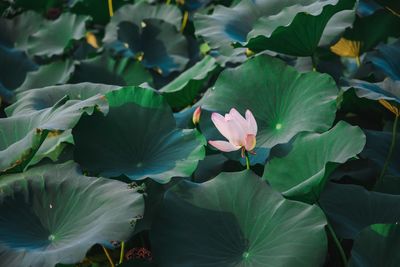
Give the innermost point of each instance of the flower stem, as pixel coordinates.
(121, 255)
(391, 149)
(184, 20)
(110, 8)
(108, 256)
(358, 61)
(247, 160)
(314, 62)
(338, 245)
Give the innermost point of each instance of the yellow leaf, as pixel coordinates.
(346, 48)
(249, 52)
(91, 39)
(390, 107)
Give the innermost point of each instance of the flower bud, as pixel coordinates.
(196, 116)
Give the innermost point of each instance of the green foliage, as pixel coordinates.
(127, 90)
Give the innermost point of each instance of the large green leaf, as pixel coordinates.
(351, 208)
(138, 138)
(151, 34)
(285, 32)
(141, 11)
(336, 26)
(283, 101)
(57, 72)
(377, 245)
(53, 214)
(183, 90)
(106, 70)
(270, 22)
(15, 32)
(22, 134)
(46, 97)
(236, 219)
(306, 176)
(53, 37)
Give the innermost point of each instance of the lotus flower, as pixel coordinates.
(240, 132)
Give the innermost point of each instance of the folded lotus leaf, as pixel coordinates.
(388, 89)
(387, 59)
(273, 25)
(182, 91)
(53, 37)
(308, 159)
(46, 97)
(23, 134)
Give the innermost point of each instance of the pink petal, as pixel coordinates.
(224, 146)
(250, 142)
(229, 128)
(252, 124)
(237, 133)
(239, 118)
(221, 124)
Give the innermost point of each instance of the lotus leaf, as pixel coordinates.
(53, 214)
(138, 138)
(236, 219)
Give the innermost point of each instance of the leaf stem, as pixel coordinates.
(391, 149)
(338, 245)
(121, 255)
(110, 8)
(333, 234)
(108, 256)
